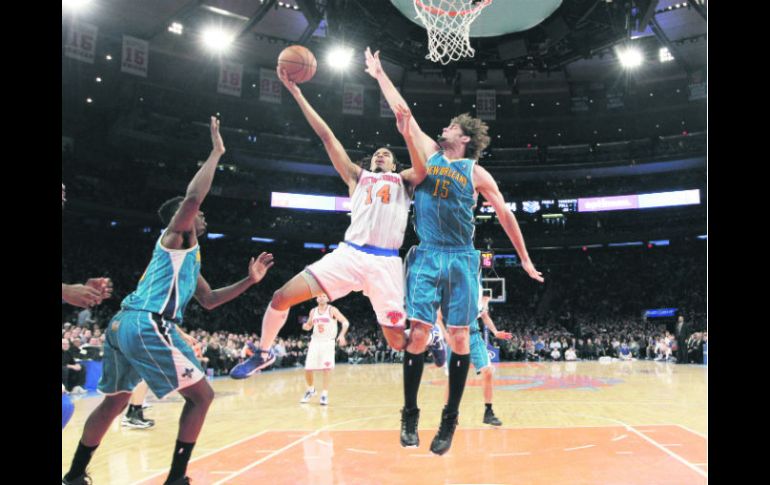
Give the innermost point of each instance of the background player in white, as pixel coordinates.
(480, 356)
(322, 320)
(368, 259)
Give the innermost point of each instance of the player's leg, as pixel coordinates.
(326, 380)
(422, 296)
(460, 309)
(311, 363)
(335, 274)
(134, 417)
(117, 381)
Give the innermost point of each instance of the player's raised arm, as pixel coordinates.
(425, 143)
(199, 186)
(348, 170)
(417, 173)
(487, 186)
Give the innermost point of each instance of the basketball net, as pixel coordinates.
(448, 23)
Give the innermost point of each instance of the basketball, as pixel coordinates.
(299, 63)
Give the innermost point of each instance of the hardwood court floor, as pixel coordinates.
(578, 423)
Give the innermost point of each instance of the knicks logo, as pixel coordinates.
(395, 317)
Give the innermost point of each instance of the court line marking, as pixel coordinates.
(672, 444)
(325, 443)
(670, 453)
(356, 450)
(293, 443)
(692, 431)
(648, 439)
(621, 437)
(216, 450)
(579, 447)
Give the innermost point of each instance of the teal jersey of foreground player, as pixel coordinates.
(444, 203)
(168, 283)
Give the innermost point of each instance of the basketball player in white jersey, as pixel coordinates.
(368, 259)
(322, 320)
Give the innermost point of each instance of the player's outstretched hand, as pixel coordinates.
(503, 335)
(81, 295)
(290, 85)
(258, 267)
(103, 285)
(373, 64)
(403, 115)
(532, 272)
(218, 145)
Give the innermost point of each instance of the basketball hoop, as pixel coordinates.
(448, 23)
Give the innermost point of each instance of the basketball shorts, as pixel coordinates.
(479, 353)
(141, 345)
(381, 278)
(320, 355)
(440, 278)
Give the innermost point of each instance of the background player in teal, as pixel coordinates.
(142, 339)
(443, 271)
(480, 356)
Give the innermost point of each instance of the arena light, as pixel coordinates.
(630, 57)
(339, 57)
(216, 39)
(665, 55)
(176, 28)
(75, 5)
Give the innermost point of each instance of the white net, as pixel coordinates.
(448, 23)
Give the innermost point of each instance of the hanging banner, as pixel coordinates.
(579, 104)
(486, 104)
(269, 86)
(230, 75)
(136, 56)
(81, 42)
(615, 100)
(353, 99)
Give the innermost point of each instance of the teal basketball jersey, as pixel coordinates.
(168, 283)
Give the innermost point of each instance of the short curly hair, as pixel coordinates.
(477, 130)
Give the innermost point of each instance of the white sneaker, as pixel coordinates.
(324, 400)
(308, 394)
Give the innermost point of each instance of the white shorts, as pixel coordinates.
(381, 278)
(320, 356)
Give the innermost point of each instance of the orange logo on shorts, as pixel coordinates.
(395, 317)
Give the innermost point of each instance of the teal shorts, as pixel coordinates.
(140, 345)
(479, 353)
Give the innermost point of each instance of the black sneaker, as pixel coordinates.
(443, 439)
(81, 480)
(409, 420)
(139, 414)
(490, 418)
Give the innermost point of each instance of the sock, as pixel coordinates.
(79, 463)
(458, 372)
(182, 452)
(272, 322)
(324, 393)
(413, 365)
(132, 408)
(488, 407)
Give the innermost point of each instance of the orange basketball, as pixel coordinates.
(299, 63)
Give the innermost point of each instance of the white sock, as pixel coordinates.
(325, 393)
(272, 322)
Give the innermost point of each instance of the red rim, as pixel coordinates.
(453, 13)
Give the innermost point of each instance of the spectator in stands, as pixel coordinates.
(570, 354)
(73, 376)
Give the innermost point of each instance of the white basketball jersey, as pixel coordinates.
(324, 325)
(379, 210)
